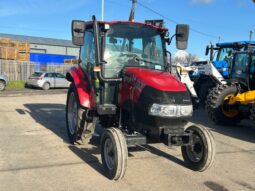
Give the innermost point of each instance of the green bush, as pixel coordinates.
(15, 85)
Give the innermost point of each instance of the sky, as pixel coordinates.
(209, 20)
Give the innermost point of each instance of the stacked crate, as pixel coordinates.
(24, 50)
(71, 61)
(14, 50)
(8, 50)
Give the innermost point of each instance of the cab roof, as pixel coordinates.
(235, 44)
(127, 22)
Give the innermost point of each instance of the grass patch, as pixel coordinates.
(15, 85)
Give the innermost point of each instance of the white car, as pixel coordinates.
(47, 80)
(3, 81)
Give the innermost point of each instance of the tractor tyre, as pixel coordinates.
(75, 118)
(204, 90)
(199, 156)
(114, 153)
(252, 113)
(216, 110)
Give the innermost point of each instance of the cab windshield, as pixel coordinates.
(133, 45)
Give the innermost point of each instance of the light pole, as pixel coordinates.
(102, 10)
(251, 34)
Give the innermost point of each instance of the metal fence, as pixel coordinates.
(18, 70)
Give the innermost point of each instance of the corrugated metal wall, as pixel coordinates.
(49, 49)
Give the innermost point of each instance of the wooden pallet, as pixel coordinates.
(8, 53)
(23, 47)
(71, 61)
(24, 57)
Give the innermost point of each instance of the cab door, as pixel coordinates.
(88, 60)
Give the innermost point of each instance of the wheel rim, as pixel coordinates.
(1, 86)
(46, 86)
(72, 113)
(229, 112)
(195, 152)
(109, 154)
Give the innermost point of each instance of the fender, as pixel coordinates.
(83, 86)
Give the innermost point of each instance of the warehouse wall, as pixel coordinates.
(49, 49)
(73, 51)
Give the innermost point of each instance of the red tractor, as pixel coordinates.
(123, 84)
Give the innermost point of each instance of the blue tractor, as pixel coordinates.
(206, 77)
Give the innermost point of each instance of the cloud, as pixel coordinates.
(202, 1)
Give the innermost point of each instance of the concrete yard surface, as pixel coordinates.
(35, 155)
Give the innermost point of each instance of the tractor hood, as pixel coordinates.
(159, 80)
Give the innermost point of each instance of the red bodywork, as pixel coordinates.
(84, 89)
(135, 79)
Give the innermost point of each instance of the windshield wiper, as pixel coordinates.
(147, 61)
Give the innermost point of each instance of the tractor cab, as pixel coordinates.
(243, 68)
(108, 48)
(222, 57)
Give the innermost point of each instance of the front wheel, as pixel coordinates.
(216, 105)
(199, 156)
(114, 153)
(2, 85)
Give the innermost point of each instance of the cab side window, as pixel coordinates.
(87, 54)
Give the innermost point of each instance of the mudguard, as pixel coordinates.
(83, 86)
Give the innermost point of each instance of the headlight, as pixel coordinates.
(170, 110)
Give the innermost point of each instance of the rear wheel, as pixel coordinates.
(2, 85)
(46, 86)
(200, 155)
(216, 109)
(114, 153)
(252, 113)
(75, 118)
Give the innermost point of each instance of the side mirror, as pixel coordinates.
(78, 29)
(207, 50)
(182, 36)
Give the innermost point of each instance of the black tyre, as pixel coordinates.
(252, 113)
(203, 91)
(216, 110)
(200, 155)
(2, 85)
(46, 86)
(75, 118)
(114, 153)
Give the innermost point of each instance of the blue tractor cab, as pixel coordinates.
(206, 76)
(224, 57)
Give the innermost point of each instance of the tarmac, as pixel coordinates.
(35, 154)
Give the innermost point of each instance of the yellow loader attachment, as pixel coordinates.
(243, 98)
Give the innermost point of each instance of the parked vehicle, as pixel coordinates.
(3, 81)
(205, 75)
(228, 104)
(47, 80)
(124, 82)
